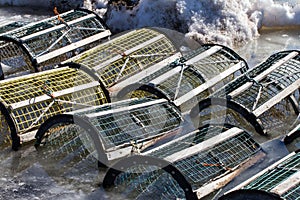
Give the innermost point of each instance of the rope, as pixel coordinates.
(135, 147)
(255, 82)
(47, 90)
(58, 17)
(179, 81)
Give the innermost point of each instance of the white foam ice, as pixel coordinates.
(228, 22)
(222, 21)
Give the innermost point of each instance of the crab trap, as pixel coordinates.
(188, 167)
(41, 45)
(281, 178)
(262, 99)
(119, 129)
(27, 101)
(136, 52)
(188, 79)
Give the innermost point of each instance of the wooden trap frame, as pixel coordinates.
(119, 129)
(42, 45)
(27, 101)
(281, 178)
(203, 160)
(188, 79)
(260, 100)
(132, 53)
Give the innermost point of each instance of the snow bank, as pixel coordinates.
(228, 22)
(219, 21)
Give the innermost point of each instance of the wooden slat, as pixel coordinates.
(56, 94)
(169, 143)
(226, 178)
(247, 182)
(204, 54)
(208, 84)
(167, 75)
(277, 98)
(263, 74)
(73, 46)
(287, 184)
(129, 51)
(27, 137)
(209, 143)
(27, 37)
(126, 108)
(144, 73)
(34, 23)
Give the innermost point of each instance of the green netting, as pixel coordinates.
(275, 176)
(127, 54)
(26, 49)
(292, 194)
(30, 100)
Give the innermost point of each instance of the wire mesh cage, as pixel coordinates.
(27, 101)
(281, 178)
(188, 79)
(25, 49)
(260, 100)
(204, 157)
(9, 26)
(121, 128)
(131, 53)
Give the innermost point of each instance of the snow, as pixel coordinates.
(219, 21)
(228, 22)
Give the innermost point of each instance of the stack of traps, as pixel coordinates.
(37, 46)
(97, 75)
(174, 159)
(69, 109)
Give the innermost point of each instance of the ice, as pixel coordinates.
(226, 22)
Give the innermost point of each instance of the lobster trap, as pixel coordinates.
(262, 99)
(190, 78)
(42, 45)
(28, 101)
(205, 160)
(119, 129)
(10, 26)
(282, 178)
(133, 53)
